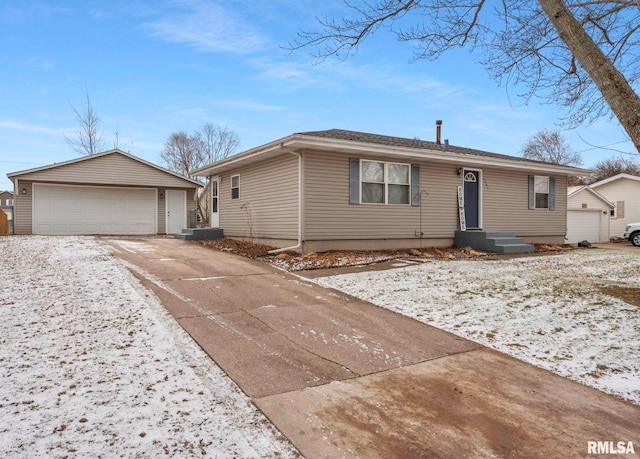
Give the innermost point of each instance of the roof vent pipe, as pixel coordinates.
(446, 144)
(438, 132)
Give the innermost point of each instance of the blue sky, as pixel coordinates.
(154, 67)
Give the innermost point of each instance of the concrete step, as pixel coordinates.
(514, 248)
(492, 241)
(200, 234)
(497, 234)
(504, 240)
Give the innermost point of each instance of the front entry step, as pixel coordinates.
(200, 234)
(492, 241)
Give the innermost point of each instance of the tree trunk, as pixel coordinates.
(622, 99)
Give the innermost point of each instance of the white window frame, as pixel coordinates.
(237, 187)
(535, 192)
(385, 183)
(215, 195)
(613, 213)
(10, 202)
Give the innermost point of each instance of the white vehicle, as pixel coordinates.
(632, 232)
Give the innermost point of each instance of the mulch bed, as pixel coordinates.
(294, 261)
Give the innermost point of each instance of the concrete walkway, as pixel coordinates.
(343, 378)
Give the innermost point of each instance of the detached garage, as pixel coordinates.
(587, 216)
(108, 193)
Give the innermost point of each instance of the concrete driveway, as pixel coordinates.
(343, 378)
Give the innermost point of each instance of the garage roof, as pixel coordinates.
(113, 167)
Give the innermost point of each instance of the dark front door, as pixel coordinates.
(472, 198)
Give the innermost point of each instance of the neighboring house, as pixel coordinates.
(336, 189)
(588, 215)
(622, 190)
(107, 193)
(6, 203)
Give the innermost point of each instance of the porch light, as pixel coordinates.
(24, 191)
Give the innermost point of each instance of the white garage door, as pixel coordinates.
(61, 209)
(583, 225)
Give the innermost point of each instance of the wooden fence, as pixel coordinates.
(4, 223)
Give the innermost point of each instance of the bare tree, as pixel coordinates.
(551, 147)
(579, 54)
(218, 142)
(88, 138)
(182, 153)
(613, 166)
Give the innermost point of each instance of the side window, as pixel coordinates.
(542, 192)
(235, 187)
(214, 196)
(541, 188)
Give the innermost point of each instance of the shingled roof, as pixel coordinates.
(378, 139)
(400, 147)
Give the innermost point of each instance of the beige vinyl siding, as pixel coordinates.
(268, 203)
(625, 190)
(505, 199)
(22, 215)
(112, 169)
(328, 214)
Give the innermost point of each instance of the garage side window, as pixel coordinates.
(235, 187)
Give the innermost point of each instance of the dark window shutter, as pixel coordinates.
(532, 192)
(620, 209)
(552, 193)
(415, 185)
(354, 181)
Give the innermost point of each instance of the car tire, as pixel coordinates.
(635, 238)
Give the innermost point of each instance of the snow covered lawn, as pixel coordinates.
(91, 365)
(550, 311)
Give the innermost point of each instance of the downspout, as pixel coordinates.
(300, 204)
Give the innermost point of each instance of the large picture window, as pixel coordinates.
(385, 183)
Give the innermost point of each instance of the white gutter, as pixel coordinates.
(300, 203)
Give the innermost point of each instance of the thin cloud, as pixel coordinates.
(39, 63)
(250, 105)
(207, 27)
(23, 127)
(291, 75)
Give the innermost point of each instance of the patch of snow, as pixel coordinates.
(92, 365)
(546, 310)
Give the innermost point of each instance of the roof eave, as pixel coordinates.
(614, 178)
(302, 142)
